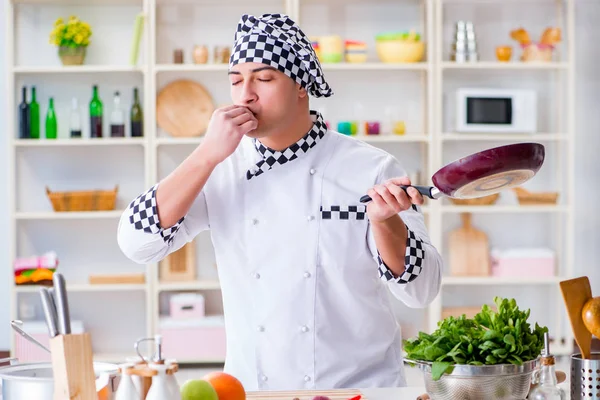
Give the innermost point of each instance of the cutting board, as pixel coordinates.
(334, 394)
(184, 108)
(469, 250)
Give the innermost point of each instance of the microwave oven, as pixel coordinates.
(490, 110)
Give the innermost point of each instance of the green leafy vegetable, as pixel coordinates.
(489, 338)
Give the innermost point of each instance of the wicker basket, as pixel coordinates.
(481, 201)
(86, 200)
(526, 197)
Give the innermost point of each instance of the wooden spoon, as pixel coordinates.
(591, 316)
(576, 292)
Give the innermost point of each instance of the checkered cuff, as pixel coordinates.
(144, 215)
(413, 261)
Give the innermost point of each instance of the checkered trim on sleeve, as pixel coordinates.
(143, 215)
(413, 261)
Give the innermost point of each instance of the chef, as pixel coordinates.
(305, 268)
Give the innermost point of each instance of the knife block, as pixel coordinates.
(73, 367)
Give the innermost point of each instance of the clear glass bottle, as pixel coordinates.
(75, 119)
(117, 118)
(547, 388)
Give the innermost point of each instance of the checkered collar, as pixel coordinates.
(270, 157)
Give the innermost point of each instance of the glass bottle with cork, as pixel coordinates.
(75, 120)
(548, 388)
(96, 114)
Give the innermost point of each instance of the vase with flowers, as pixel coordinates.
(72, 39)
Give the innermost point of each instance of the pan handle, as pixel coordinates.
(428, 191)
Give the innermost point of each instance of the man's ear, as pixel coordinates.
(301, 91)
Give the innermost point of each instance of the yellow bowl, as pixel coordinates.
(400, 51)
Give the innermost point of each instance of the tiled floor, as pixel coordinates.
(413, 376)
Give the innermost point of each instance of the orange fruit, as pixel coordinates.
(227, 386)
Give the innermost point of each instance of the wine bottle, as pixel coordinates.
(137, 116)
(117, 118)
(34, 116)
(96, 114)
(24, 131)
(51, 124)
(75, 121)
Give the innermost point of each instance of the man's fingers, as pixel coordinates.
(389, 199)
(249, 126)
(401, 180)
(237, 110)
(398, 193)
(243, 118)
(415, 196)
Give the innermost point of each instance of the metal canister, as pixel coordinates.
(464, 45)
(585, 377)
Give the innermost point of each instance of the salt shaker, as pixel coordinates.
(159, 390)
(172, 382)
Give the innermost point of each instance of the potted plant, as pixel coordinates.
(72, 39)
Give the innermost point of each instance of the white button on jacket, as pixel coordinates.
(321, 316)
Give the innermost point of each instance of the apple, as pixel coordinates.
(198, 389)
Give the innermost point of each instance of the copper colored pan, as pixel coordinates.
(484, 173)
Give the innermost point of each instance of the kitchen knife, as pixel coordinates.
(62, 304)
(48, 313)
(53, 301)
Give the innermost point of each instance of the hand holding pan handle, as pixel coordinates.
(430, 191)
(487, 172)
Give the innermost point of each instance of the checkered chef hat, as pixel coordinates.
(276, 40)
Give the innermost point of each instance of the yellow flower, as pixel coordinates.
(78, 39)
(58, 22)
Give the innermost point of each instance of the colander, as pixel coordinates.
(478, 382)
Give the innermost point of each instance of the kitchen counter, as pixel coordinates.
(402, 393)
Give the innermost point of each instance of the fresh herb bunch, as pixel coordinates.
(489, 338)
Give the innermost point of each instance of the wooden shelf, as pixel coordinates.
(500, 209)
(497, 281)
(76, 69)
(450, 65)
(343, 66)
(192, 285)
(79, 142)
(52, 215)
(86, 287)
(502, 137)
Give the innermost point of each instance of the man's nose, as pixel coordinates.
(248, 95)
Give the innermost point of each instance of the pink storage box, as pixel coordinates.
(197, 340)
(527, 262)
(26, 351)
(187, 305)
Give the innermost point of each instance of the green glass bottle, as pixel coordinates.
(137, 116)
(34, 116)
(96, 114)
(51, 124)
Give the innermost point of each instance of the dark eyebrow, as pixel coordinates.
(254, 70)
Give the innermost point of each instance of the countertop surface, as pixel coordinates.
(402, 393)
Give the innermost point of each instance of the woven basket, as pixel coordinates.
(481, 201)
(86, 200)
(528, 198)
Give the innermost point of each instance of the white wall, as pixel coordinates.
(587, 169)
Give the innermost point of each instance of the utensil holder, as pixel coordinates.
(585, 377)
(73, 367)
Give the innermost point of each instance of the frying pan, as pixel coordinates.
(484, 173)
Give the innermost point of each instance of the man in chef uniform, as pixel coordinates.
(305, 268)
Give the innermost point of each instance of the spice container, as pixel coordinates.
(200, 54)
(178, 56)
(221, 54)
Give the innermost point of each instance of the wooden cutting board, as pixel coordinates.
(469, 250)
(334, 394)
(184, 108)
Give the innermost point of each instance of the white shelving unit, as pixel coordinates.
(416, 90)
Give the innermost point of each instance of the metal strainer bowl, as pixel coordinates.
(473, 382)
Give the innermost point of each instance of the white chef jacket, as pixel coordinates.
(304, 291)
